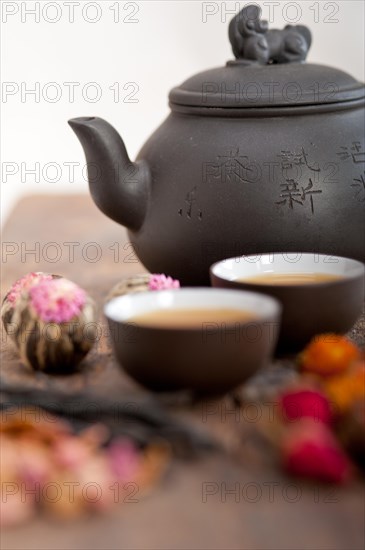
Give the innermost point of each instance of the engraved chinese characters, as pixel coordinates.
(292, 191)
(301, 182)
(356, 154)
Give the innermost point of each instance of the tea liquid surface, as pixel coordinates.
(180, 318)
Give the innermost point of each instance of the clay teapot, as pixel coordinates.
(263, 155)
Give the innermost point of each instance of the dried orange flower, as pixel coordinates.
(329, 354)
(346, 388)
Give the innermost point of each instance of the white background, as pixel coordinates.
(168, 43)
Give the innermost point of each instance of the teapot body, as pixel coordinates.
(286, 181)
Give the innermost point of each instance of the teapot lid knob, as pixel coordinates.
(253, 42)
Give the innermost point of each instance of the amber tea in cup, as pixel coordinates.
(191, 318)
(290, 278)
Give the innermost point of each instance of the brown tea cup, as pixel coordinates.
(328, 299)
(209, 357)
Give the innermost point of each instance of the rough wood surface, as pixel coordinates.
(252, 505)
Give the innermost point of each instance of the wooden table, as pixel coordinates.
(194, 506)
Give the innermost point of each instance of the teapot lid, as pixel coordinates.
(269, 71)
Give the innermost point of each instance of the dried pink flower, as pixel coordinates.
(57, 300)
(124, 460)
(35, 454)
(25, 283)
(71, 451)
(162, 282)
(16, 509)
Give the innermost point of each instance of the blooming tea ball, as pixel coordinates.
(13, 297)
(142, 283)
(56, 325)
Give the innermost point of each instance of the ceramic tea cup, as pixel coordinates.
(318, 293)
(164, 346)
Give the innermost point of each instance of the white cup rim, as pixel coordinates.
(280, 262)
(123, 308)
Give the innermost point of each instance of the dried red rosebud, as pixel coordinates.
(309, 449)
(305, 403)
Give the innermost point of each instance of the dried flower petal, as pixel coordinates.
(14, 508)
(71, 452)
(309, 449)
(162, 282)
(44, 466)
(25, 283)
(329, 354)
(58, 300)
(346, 388)
(124, 460)
(301, 403)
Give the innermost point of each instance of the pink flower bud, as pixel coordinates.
(25, 283)
(311, 450)
(305, 403)
(162, 282)
(57, 300)
(124, 460)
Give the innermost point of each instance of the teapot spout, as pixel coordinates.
(118, 186)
